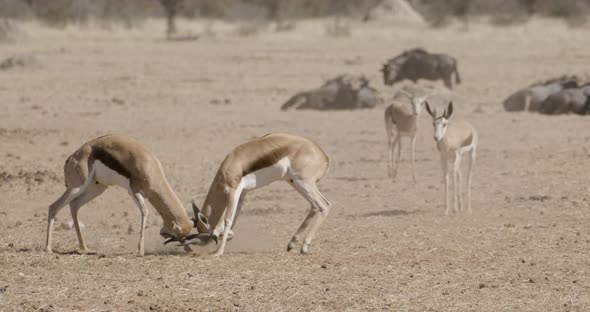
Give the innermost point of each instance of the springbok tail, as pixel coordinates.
(457, 76)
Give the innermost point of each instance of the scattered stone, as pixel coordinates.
(540, 198)
(118, 101)
(18, 61)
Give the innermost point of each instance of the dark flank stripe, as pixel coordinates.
(108, 160)
(267, 160)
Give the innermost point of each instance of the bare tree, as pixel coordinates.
(171, 8)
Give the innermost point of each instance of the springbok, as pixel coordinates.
(453, 139)
(254, 164)
(401, 120)
(119, 160)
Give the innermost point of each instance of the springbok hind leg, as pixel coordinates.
(54, 208)
(93, 191)
(394, 162)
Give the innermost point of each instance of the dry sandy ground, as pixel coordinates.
(385, 246)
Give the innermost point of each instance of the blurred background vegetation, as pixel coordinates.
(131, 13)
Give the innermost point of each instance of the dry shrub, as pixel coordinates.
(338, 27)
(285, 26)
(9, 32)
(250, 28)
(16, 9)
(60, 13)
(575, 12)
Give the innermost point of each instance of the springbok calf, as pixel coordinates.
(254, 164)
(119, 160)
(453, 139)
(401, 120)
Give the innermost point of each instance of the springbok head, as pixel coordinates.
(417, 101)
(440, 123)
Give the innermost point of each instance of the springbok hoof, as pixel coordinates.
(304, 249)
(290, 247)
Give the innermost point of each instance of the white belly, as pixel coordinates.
(107, 176)
(265, 176)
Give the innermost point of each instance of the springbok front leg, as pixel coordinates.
(470, 164)
(412, 158)
(457, 182)
(445, 168)
(91, 193)
(230, 214)
(297, 236)
(320, 206)
(140, 202)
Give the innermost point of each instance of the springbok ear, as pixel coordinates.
(430, 111)
(449, 110)
(200, 221)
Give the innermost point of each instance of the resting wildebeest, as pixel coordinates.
(342, 92)
(530, 98)
(575, 100)
(419, 64)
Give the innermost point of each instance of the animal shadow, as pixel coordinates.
(389, 213)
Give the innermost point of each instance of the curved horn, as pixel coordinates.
(200, 239)
(200, 221)
(404, 92)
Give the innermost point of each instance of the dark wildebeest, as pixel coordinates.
(530, 98)
(576, 100)
(342, 92)
(419, 64)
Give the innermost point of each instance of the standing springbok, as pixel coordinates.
(254, 164)
(453, 139)
(401, 120)
(119, 160)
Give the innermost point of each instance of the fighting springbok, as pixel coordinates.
(401, 120)
(254, 164)
(119, 160)
(453, 139)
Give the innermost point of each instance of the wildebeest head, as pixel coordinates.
(392, 69)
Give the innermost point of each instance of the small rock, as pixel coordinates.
(324, 266)
(482, 285)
